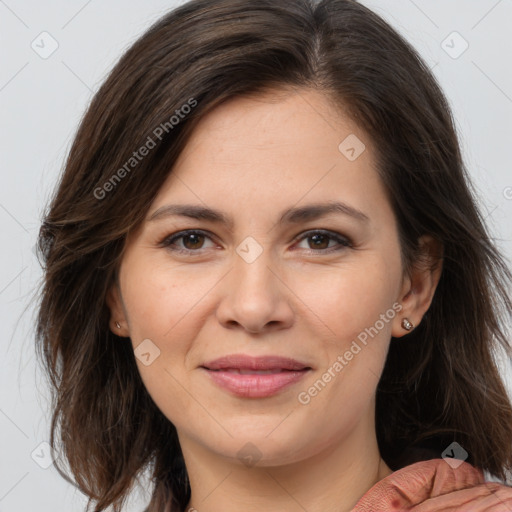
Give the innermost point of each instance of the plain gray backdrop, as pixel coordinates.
(55, 54)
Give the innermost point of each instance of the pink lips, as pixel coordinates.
(255, 377)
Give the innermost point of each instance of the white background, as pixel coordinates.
(42, 100)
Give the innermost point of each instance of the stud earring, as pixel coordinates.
(407, 325)
(118, 325)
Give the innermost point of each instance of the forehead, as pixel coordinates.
(277, 119)
(274, 148)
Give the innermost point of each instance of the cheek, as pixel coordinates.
(159, 298)
(161, 304)
(350, 298)
(358, 306)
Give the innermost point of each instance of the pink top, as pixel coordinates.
(434, 486)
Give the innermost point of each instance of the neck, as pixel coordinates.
(331, 480)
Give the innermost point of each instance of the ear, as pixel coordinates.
(117, 311)
(420, 284)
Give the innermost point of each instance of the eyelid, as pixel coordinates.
(169, 239)
(343, 241)
(338, 237)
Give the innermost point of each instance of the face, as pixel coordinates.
(274, 279)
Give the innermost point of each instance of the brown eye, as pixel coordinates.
(318, 241)
(191, 241)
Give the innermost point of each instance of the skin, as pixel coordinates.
(252, 158)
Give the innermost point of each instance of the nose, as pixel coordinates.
(255, 297)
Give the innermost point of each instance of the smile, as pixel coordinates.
(255, 377)
(255, 383)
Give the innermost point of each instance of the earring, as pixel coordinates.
(118, 325)
(407, 325)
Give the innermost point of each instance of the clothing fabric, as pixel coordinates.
(435, 486)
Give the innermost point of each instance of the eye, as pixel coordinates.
(192, 240)
(322, 238)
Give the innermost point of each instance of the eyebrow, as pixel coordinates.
(290, 216)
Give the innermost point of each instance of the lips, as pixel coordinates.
(263, 363)
(255, 377)
(245, 371)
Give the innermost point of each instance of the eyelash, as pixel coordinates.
(343, 241)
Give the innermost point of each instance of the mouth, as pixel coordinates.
(261, 363)
(247, 371)
(255, 377)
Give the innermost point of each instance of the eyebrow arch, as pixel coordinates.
(289, 216)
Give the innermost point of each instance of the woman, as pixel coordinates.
(266, 279)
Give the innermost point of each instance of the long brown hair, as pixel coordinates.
(440, 386)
